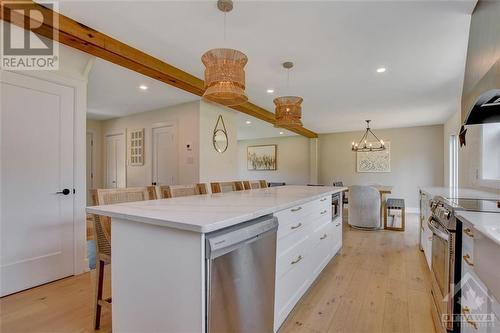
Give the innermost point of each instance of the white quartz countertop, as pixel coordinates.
(211, 212)
(447, 192)
(487, 223)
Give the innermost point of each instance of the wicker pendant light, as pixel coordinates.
(225, 70)
(288, 108)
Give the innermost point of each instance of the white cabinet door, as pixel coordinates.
(164, 156)
(37, 241)
(115, 161)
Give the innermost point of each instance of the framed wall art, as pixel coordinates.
(260, 158)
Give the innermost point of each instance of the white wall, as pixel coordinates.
(186, 117)
(416, 160)
(215, 166)
(293, 158)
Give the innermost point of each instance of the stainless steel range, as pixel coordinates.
(446, 254)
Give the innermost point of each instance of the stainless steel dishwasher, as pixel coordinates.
(241, 265)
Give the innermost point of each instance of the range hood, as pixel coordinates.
(486, 109)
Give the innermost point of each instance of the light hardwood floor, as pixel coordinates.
(378, 283)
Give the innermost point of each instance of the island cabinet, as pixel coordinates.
(307, 239)
(160, 279)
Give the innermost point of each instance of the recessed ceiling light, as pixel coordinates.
(270, 91)
(281, 133)
(381, 70)
(248, 122)
(143, 87)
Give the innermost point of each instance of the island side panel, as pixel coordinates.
(157, 278)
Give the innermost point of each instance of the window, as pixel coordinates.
(490, 159)
(453, 161)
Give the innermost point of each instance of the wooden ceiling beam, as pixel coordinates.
(74, 34)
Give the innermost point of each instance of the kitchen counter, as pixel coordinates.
(446, 192)
(211, 212)
(486, 223)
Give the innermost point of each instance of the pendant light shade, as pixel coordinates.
(288, 108)
(288, 111)
(225, 76)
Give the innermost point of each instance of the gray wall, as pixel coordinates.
(292, 160)
(417, 159)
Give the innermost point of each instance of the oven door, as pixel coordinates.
(442, 270)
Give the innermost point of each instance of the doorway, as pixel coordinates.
(37, 190)
(115, 160)
(164, 154)
(90, 172)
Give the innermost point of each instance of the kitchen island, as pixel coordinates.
(158, 251)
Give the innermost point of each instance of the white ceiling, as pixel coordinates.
(336, 46)
(113, 91)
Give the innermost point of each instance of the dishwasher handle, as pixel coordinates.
(226, 240)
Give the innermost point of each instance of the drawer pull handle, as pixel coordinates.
(322, 199)
(466, 313)
(467, 260)
(323, 237)
(299, 258)
(468, 232)
(324, 212)
(296, 226)
(296, 209)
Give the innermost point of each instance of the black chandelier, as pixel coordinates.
(364, 146)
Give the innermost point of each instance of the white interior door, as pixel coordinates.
(90, 166)
(36, 162)
(165, 158)
(115, 161)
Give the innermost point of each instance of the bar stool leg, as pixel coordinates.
(98, 293)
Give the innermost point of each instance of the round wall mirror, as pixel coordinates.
(220, 140)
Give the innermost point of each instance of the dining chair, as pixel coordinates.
(174, 191)
(102, 235)
(364, 207)
(224, 187)
(254, 184)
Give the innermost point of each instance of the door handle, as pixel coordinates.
(65, 192)
(296, 226)
(296, 209)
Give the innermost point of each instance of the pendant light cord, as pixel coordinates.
(225, 28)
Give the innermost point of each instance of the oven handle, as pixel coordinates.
(436, 230)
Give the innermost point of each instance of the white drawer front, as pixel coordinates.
(322, 244)
(290, 259)
(291, 285)
(468, 236)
